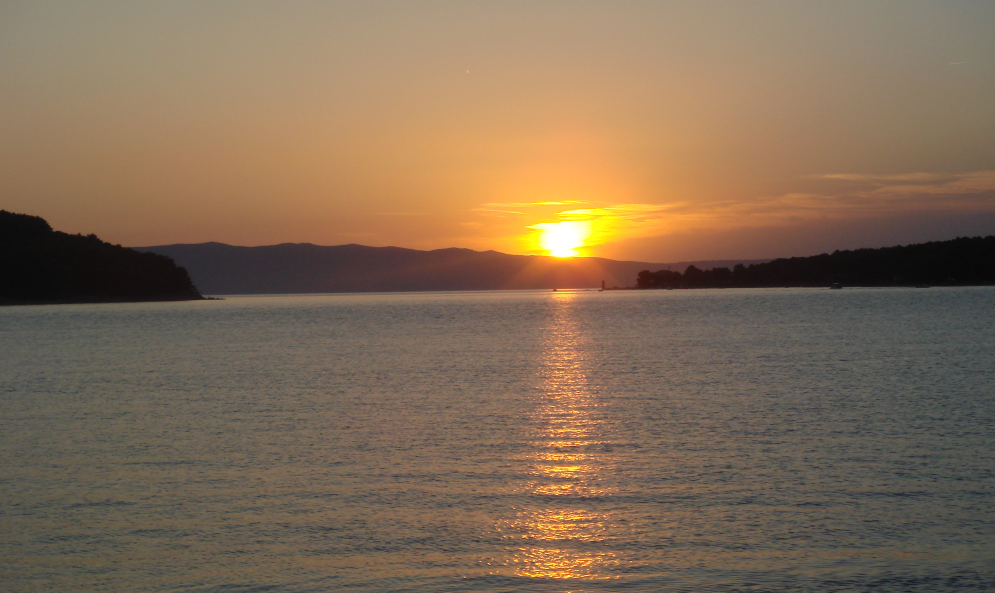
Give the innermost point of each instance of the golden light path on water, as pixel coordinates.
(559, 534)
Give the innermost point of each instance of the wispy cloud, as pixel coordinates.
(499, 211)
(501, 205)
(867, 195)
(884, 179)
(846, 195)
(521, 208)
(918, 185)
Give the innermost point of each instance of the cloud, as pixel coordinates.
(630, 212)
(921, 183)
(488, 207)
(979, 182)
(882, 179)
(828, 197)
(864, 195)
(499, 211)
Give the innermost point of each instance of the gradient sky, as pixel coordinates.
(669, 130)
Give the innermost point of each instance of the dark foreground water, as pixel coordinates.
(769, 440)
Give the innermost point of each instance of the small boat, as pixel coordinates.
(836, 286)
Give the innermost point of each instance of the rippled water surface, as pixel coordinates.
(769, 440)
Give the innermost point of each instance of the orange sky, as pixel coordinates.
(668, 130)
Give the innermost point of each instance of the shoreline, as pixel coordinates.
(805, 286)
(99, 300)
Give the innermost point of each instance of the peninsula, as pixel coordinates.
(964, 261)
(41, 265)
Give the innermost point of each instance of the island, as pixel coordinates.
(41, 265)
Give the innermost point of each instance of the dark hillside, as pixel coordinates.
(304, 268)
(38, 264)
(291, 268)
(962, 261)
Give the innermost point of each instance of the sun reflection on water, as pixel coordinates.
(565, 531)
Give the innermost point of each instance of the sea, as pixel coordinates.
(682, 440)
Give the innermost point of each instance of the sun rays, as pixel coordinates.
(561, 239)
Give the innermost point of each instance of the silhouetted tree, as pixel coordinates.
(693, 276)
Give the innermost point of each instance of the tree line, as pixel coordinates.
(961, 261)
(40, 264)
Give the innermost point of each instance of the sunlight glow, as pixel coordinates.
(570, 461)
(561, 239)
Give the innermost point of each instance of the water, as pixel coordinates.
(768, 440)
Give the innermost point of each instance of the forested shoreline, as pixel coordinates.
(41, 265)
(958, 262)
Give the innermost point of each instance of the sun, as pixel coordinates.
(561, 239)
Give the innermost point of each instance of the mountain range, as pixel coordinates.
(293, 268)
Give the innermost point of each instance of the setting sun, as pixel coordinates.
(561, 239)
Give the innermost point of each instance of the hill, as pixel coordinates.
(292, 268)
(38, 264)
(961, 261)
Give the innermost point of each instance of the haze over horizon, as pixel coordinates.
(641, 131)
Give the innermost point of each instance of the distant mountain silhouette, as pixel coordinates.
(961, 261)
(38, 264)
(293, 268)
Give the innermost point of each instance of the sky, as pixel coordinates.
(649, 131)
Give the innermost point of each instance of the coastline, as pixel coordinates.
(100, 300)
(728, 287)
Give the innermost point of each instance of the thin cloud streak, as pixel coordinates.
(880, 194)
(527, 204)
(875, 195)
